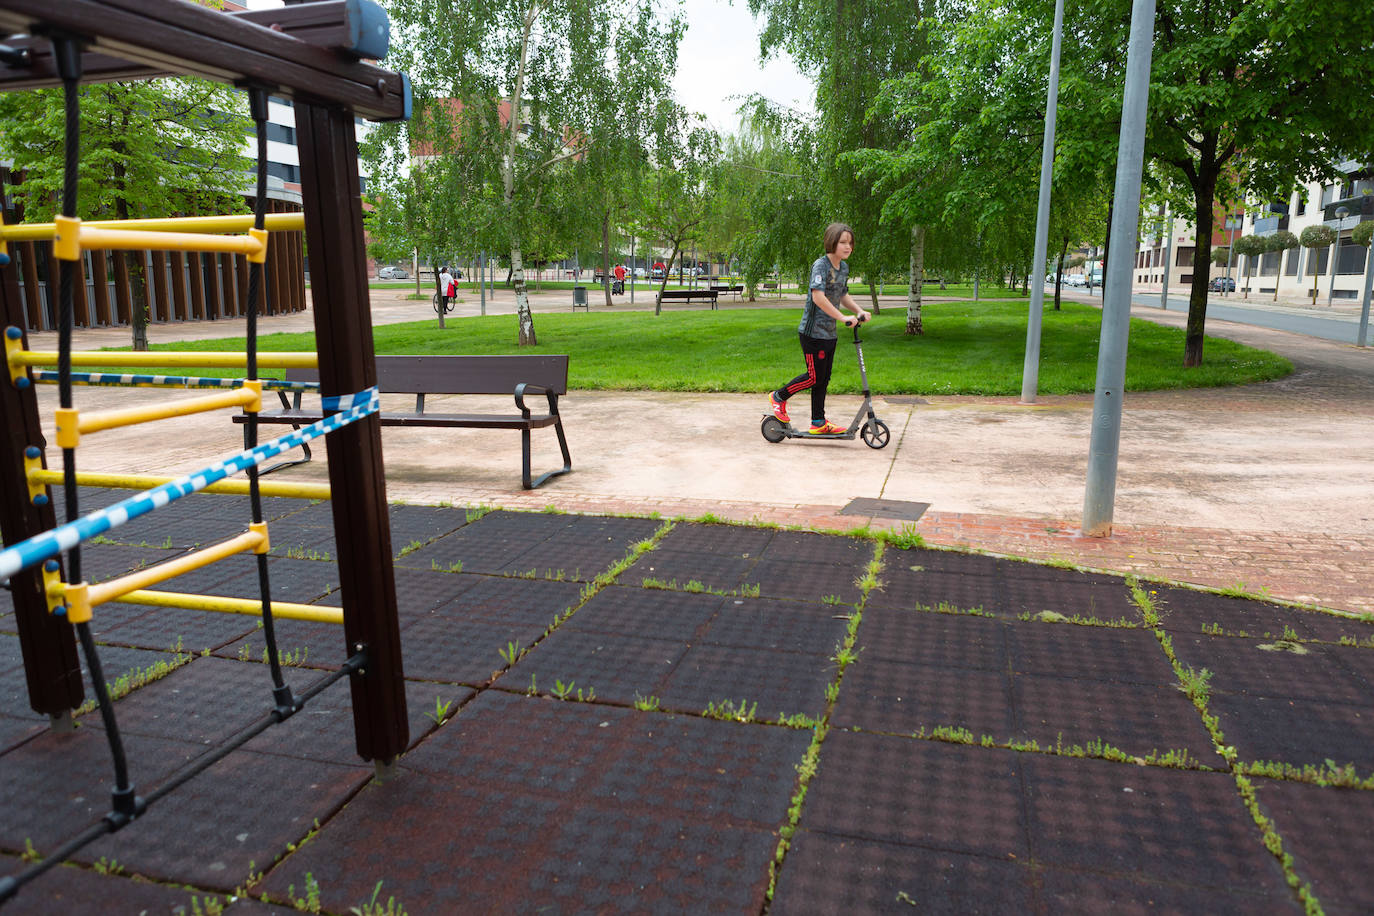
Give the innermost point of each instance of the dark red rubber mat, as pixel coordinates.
(73, 889)
(766, 685)
(818, 549)
(944, 640)
(1329, 833)
(789, 626)
(722, 540)
(15, 730)
(825, 874)
(883, 696)
(806, 581)
(462, 651)
(420, 592)
(168, 627)
(1335, 627)
(679, 568)
(1100, 653)
(1171, 825)
(619, 668)
(289, 539)
(206, 834)
(467, 550)
(300, 643)
(512, 602)
(924, 793)
(1183, 610)
(900, 564)
(553, 559)
(1089, 892)
(1273, 669)
(1296, 731)
(1137, 719)
(654, 613)
(422, 523)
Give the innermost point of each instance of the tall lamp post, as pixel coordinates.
(1341, 214)
(1232, 223)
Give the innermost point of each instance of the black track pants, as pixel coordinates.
(820, 355)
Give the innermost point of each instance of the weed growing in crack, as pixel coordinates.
(440, 712)
(1327, 775)
(135, 678)
(729, 711)
(1145, 600)
(798, 720)
(650, 582)
(944, 607)
(373, 908)
(832, 599)
(904, 538)
(310, 903)
(1274, 843)
(511, 652)
(646, 704)
(750, 590)
(806, 771)
(476, 512)
(410, 548)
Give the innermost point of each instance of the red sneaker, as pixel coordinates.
(825, 429)
(779, 407)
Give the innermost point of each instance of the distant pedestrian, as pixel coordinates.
(619, 287)
(828, 293)
(447, 288)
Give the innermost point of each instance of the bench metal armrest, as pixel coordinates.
(529, 387)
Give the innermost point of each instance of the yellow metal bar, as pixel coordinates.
(274, 222)
(165, 358)
(14, 349)
(72, 238)
(113, 589)
(41, 476)
(70, 425)
(280, 609)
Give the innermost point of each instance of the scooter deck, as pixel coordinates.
(793, 432)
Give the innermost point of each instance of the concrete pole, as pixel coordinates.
(1360, 340)
(482, 278)
(1168, 258)
(1100, 496)
(632, 270)
(1230, 254)
(1030, 372)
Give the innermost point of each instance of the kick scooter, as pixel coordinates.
(873, 431)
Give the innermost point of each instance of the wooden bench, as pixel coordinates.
(422, 375)
(689, 295)
(732, 290)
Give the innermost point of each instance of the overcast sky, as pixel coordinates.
(718, 62)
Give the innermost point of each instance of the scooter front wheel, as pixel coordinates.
(875, 434)
(772, 429)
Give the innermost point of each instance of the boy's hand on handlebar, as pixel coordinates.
(852, 320)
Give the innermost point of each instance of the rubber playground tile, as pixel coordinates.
(619, 668)
(171, 628)
(1106, 602)
(437, 846)
(1183, 610)
(900, 564)
(1132, 656)
(806, 581)
(1359, 660)
(943, 640)
(420, 592)
(553, 559)
(530, 527)
(767, 685)
(1329, 834)
(72, 889)
(825, 874)
(466, 550)
(461, 651)
(883, 696)
(1134, 718)
(1296, 731)
(300, 643)
(818, 549)
(411, 524)
(1335, 627)
(735, 541)
(37, 808)
(205, 701)
(933, 589)
(209, 526)
(725, 772)
(239, 814)
(678, 568)
(1181, 826)
(301, 541)
(101, 562)
(507, 601)
(787, 626)
(1065, 890)
(1272, 669)
(15, 730)
(923, 793)
(323, 729)
(118, 661)
(653, 613)
(517, 743)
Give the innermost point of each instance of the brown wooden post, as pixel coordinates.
(213, 306)
(100, 275)
(48, 643)
(241, 283)
(197, 285)
(38, 318)
(343, 334)
(81, 313)
(298, 272)
(226, 278)
(178, 286)
(159, 284)
(123, 295)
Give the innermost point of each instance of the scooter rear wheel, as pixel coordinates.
(772, 429)
(875, 434)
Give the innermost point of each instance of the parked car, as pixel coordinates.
(640, 273)
(1096, 278)
(1222, 285)
(393, 273)
(1076, 280)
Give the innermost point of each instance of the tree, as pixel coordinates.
(1279, 242)
(676, 196)
(1312, 238)
(148, 149)
(1249, 247)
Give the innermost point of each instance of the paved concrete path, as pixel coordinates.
(1264, 486)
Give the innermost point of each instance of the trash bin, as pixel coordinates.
(580, 297)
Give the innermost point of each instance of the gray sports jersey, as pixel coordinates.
(834, 282)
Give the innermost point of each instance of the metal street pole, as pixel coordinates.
(1341, 213)
(1100, 492)
(1230, 253)
(1168, 258)
(632, 270)
(1364, 306)
(482, 278)
(1030, 372)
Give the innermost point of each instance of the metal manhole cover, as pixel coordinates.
(886, 508)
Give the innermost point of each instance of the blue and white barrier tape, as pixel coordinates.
(64, 537)
(51, 377)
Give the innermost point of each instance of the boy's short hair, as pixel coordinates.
(833, 233)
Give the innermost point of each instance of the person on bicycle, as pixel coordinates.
(446, 287)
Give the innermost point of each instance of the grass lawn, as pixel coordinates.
(968, 348)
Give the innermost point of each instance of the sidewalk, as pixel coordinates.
(1263, 487)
